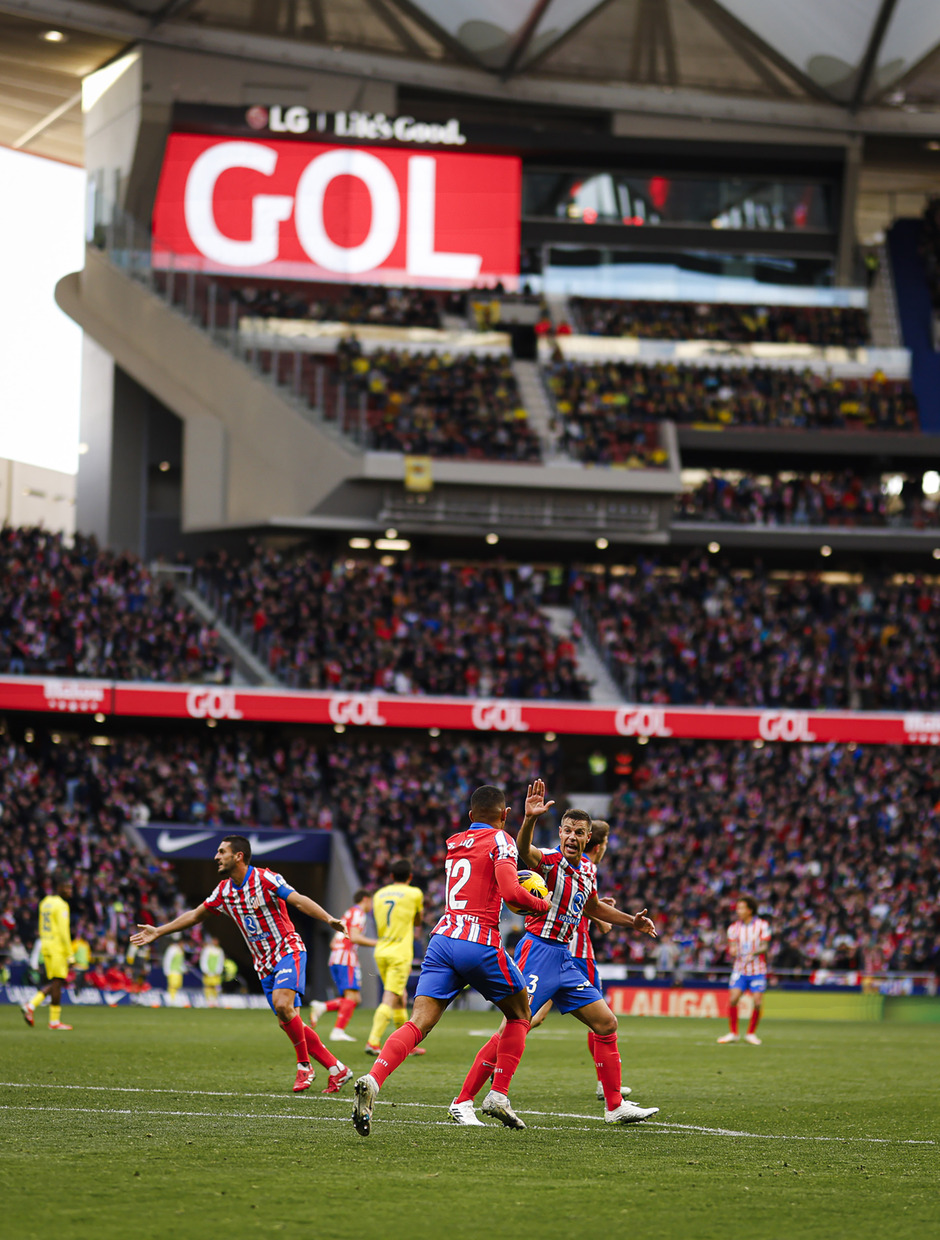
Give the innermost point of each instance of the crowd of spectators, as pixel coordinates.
(341, 303)
(707, 633)
(439, 404)
(737, 324)
(62, 810)
(839, 844)
(411, 627)
(80, 611)
(608, 395)
(843, 499)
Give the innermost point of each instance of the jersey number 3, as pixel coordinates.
(457, 874)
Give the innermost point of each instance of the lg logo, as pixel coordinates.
(784, 726)
(498, 717)
(647, 722)
(212, 704)
(362, 711)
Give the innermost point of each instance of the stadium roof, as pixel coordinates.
(848, 57)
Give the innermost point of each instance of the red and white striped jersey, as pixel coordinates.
(568, 892)
(747, 943)
(581, 946)
(258, 909)
(342, 949)
(472, 900)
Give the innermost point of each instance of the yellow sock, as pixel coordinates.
(383, 1014)
(37, 1000)
(399, 1016)
(55, 1015)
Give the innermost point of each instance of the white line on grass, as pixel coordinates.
(594, 1119)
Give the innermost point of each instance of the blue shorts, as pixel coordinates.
(589, 969)
(451, 964)
(290, 974)
(346, 977)
(551, 972)
(756, 983)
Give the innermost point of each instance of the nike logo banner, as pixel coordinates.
(184, 840)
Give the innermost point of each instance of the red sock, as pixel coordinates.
(508, 1054)
(295, 1029)
(755, 1017)
(317, 1050)
(482, 1069)
(591, 1051)
(346, 1009)
(733, 1018)
(333, 1005)
(395, 1051)
(607, 1062)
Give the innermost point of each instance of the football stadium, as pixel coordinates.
(470, 618)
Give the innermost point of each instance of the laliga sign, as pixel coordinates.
(305, 209)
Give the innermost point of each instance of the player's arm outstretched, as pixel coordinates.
(604, 926)
(535, 807)
(604, 912)
(312, 909)
(147, 934)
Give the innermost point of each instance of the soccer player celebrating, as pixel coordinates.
(56, 943)
(747, 943)
(344, 968)
(465, 950)
(256, 899)
(581, 947)
(397, 907)
(543, 955)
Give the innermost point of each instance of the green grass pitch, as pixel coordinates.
(152, 1124)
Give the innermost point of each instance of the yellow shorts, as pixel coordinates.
(57, 964)
(394, 970)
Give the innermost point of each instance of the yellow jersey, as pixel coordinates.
(396, 909)
(54, 925)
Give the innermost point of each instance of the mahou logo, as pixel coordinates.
(74, 696)
(644, 722)
(787, 725)
(490, 716)
(212, 704)
(308, 210)
(360, 711)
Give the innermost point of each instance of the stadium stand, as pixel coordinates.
(80, 610)
(339, 303)
(704, 632)
(439, 405)
(843, 500)
(737, 324)
(408, 628)
(628, 394)
(839, 844)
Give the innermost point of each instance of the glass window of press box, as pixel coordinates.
(638, 200)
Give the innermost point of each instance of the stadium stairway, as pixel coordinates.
(247, 664)
(883, 318)
(590, 664)
(536, 403)
(916, 319)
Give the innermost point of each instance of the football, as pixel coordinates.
(532, 882)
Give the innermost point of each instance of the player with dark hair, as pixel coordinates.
(465, 950)
(256, 899)
(397, 908)
(544, 957)
(56, 942)
(748, 938)
(344, 968)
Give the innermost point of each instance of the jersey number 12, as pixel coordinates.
(457, 874)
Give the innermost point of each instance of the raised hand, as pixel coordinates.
(642, 923)
(336, 924)
(535, 803)
(145, 934)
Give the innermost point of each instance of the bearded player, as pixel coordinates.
(544, 957)
(256, 899)
(464, 949)
(582, 949)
